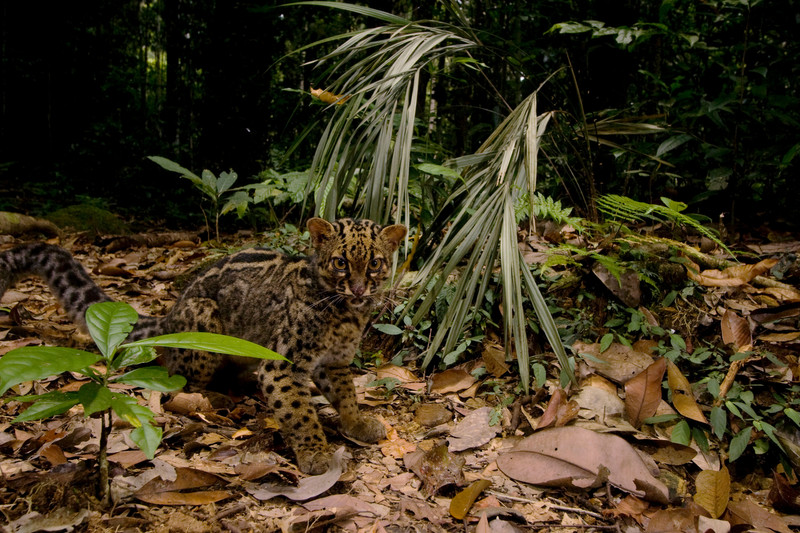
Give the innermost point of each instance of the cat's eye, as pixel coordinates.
(375, 264)
(339, 263)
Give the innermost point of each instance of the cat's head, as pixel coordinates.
(354, 257)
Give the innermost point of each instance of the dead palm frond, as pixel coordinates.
(366, 147)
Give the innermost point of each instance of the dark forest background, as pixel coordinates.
(89, 89)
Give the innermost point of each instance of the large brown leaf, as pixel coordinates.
(713, 490)
(682, 396)
(731, 276)
(579, 458)
(643, 392)
(735, 330)
(160, 492)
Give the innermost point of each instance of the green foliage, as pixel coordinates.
(630, 210)
(109, 324)
(212, 187)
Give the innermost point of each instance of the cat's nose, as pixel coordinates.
(358, 289)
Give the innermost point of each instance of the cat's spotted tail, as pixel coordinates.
(66, 277)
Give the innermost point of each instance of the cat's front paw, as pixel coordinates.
(365, 429)
(313, 460)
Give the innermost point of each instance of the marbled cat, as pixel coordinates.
(312, 309)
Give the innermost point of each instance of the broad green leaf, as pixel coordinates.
(438, 170)
(94, 397)
(48, 405)
(225, 181)
(739, 444)
(208, 342)
(30, 363)
(153, 378)
(672, 143)
(659, 419)
(129, 409)
(174, 167)
(138, 355)
(147, 437)
(109, 324)
(793, 415)
(681, 433)
(388, 329)
(605, 342)
(719, 421)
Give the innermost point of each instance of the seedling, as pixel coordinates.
(109, 324)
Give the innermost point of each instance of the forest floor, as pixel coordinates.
(466, 449)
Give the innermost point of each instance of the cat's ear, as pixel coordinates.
(320, 230)
(394, 235)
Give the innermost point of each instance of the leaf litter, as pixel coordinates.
(576, 458)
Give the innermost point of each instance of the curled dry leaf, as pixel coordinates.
(306, 488)
(579, 458)
(452, 380)
(735, 330)
(731, 276)
(682, 396)
(328, 97)
(560, 411)
(462, 502)
(643, 392)
(713, 490)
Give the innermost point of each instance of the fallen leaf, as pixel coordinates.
(473, 430)
(711, 525)
(783, 496)
(747, 512)
(452, 380)
(713, 490)
(432, 414)
(629, 506)
(401, 374)
(306, 488)
(626, 286)
(161, 492)
(682, 396)
(462, 502)
(559, 411)
(643, 392)
(553, 457)
(619, 363)
(341, 501)
(735, 330)
(61, 519)
(731, 276)
(436, 468)
(494, 358)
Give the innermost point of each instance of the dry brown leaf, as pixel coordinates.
(789, 336)
(713, 490)
(306, 488)
(748, 512)
(735, 330)
(462, 502)
(340, 501)
(473, 430)
(553, 457)
(731, 276)
(643, 392)
(328, 97)
(401, 374)
(452, 380)
(629, 506)
(494, 357)
(682, 396)
(626, 287)
(436, 468)
(783, 496)
(619, 363)
(160, 492)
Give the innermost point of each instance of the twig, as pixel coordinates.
(550, 505)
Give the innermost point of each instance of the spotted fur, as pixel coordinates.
(312, 309)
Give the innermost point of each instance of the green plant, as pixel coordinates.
(213, 187)
(631, 210)
(109, 324)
